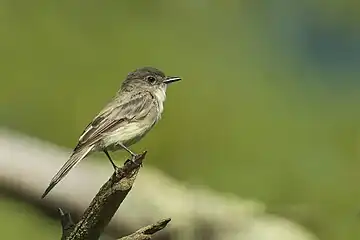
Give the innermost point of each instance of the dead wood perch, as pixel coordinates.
(146, 233)
(105, 204)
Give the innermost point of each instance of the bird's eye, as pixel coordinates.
(151, 79)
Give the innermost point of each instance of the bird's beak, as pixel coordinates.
(169, 80)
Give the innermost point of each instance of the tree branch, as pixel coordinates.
(146, 233)
(105, 204)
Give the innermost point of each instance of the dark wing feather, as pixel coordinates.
(119, 111)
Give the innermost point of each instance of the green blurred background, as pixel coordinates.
(268, 109)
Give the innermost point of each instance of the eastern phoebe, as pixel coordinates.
(134, 110)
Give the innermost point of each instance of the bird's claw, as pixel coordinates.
(134, 158)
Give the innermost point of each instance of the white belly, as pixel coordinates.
(128, 134)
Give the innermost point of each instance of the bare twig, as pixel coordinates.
(66, 223)
(146, 233)
(105, 204)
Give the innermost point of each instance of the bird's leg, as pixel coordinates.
(112, 162)
(133, 155)
(128, 150)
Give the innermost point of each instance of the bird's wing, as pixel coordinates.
(116, 112)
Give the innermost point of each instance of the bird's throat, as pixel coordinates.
(160, 95)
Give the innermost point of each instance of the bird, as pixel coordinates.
(136, 107)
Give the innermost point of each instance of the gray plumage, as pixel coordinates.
(134, 110)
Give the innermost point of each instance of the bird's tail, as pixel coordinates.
(75, 158)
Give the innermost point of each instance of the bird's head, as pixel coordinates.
(147, 78)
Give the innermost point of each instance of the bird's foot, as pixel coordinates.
(133, 159)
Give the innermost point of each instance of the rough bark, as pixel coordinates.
(105, 204)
